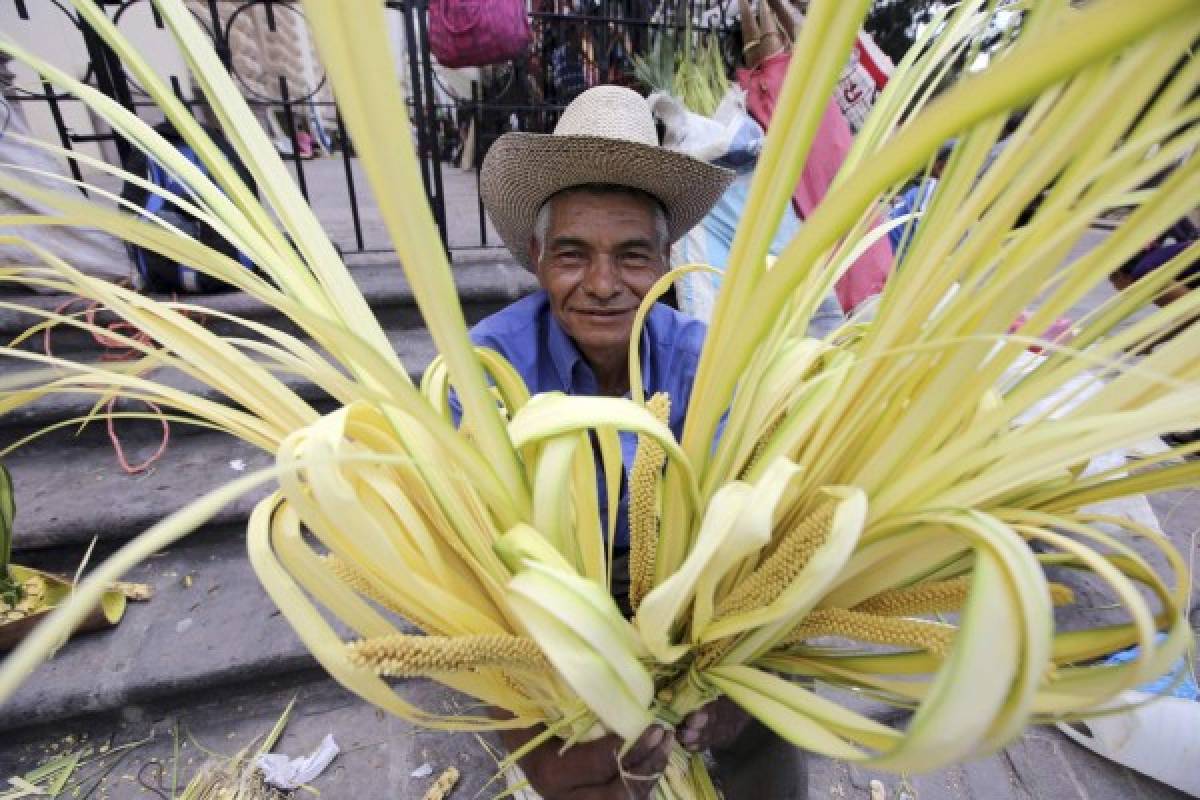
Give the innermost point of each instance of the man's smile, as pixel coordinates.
(603, 313)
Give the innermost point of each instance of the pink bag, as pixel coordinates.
(473, 33)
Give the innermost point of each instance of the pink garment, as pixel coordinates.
(830, 146)
(304, 143)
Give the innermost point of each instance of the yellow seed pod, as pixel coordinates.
(917, 634)
(442, 787)
(644, 477)
(937, 597)
(405, 656)
(370, 590)
(781, 567)
(761, 446)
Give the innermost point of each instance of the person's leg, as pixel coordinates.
(761, 766)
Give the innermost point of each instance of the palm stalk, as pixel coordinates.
(904, 463)
(27, 595)
(10, 589)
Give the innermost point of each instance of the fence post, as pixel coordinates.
(348, 168)
(434, 155)
(415, 88)
(110, 79)
(289, 119)
(220, 42)
(476, 139)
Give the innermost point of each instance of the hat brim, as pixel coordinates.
(523, 170)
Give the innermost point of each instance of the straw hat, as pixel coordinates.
(606, 135)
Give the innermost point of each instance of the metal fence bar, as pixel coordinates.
(289, 121)
(110, 79)
(63, 134)
(476, 122)
(418, 104)
(349, 169)
(434, 154)
(220, 42)
(525, 90)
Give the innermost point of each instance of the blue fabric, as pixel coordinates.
(527, 334)
(178, 276)
(1176, 683)
(913, 200)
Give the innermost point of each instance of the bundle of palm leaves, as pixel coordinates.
(686, 65)
(880, 509)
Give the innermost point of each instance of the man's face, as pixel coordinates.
(600, 257)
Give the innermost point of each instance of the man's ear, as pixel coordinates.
(535, 257)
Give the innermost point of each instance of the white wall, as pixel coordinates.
(50, 35)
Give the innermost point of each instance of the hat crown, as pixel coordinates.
(609, 112)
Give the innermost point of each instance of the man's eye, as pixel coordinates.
(570, 255)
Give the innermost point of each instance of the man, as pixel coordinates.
(592, 210)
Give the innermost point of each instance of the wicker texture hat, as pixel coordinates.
(606, 135)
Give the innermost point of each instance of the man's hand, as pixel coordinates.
(590, 770)
(714, 727)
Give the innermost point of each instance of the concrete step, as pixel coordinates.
(1043, 764)
(484, 286)
(210, 624)
(379, 753)
(69, 492)
(414, 347)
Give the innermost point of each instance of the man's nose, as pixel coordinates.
(602, 279)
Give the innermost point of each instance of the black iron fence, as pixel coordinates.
(575, 44)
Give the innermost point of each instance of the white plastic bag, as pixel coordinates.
(729, 138)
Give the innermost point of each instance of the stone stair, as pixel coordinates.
(209, 664)
(210, 648)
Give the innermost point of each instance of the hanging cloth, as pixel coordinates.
(830, 146)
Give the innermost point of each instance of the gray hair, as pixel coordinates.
(541, 224)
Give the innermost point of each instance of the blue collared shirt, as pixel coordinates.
(528, 335)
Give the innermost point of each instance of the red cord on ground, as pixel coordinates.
(116, 350)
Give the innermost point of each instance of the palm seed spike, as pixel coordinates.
(371, 590)
(401, 655)
(781, 567)
(643, 504)
(711, 653)
(933, 637)
(442, 787)
(761, 446)
(938, 596)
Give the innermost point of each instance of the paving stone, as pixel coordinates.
(414, 347)
(1101, 779)
(104, 501)
(483, 286)
(379, 753)
(829, 779)
(68, 494)
(208, 625)
(1042, 765)
(992, 779)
